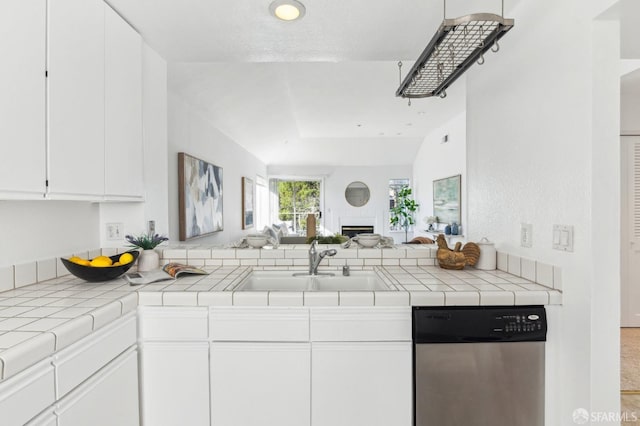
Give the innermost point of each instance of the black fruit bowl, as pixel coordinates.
(95, 274)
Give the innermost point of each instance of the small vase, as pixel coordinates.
(454, 229)
(447, 230)
(148, 260)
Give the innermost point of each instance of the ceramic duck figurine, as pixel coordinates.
(459, 256)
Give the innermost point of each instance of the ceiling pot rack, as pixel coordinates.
(455, 47)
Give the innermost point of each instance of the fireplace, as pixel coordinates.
(353, 230)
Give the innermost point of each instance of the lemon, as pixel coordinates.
(79, 260)
(117, 264)
(125, 258)
(101, 261)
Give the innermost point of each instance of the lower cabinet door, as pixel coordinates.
(175, 383)
(363, 383)
(260, 384)
(109, 397)
(46, 418)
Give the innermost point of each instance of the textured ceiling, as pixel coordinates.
(317, 91)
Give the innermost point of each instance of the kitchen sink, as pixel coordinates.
(287, 281)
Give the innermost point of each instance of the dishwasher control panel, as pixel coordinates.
(465, 324)
(518, 323)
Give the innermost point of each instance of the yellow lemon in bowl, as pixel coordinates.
(79, 260)
(125, 258)
(101, 262)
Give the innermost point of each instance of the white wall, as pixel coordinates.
(35, 230)
(337, 212)
(191, 132)
(437, 160)
(536, 154)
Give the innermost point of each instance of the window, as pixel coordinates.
(395, 185)
(295, 200)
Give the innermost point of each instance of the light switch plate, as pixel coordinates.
(115, 231)
(526, 235)
(563, 237)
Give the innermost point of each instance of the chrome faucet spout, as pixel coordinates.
(316, 257)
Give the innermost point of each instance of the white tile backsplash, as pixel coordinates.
(25, 274)
(514, 265)
(6, 278)
(557, 278)
(503, 261)
(46, 269)
(528, 269)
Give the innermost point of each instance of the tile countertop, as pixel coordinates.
(40, 319)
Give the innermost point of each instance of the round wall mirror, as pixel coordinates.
(357, 194)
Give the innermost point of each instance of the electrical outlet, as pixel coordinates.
(151, 227)
(115, 231)
(526, 235)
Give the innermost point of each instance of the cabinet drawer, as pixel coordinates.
(345, 324)
(82, 359)
(258, 324)
(173, 324)
(26, 394)
(108, 398)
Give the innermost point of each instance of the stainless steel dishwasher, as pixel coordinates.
(479, 366)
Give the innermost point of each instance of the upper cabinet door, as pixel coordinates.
(76, 98)
(22, 98)
(123, 108)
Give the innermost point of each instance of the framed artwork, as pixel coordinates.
(446, 199)
(200, 197)
(247, 203)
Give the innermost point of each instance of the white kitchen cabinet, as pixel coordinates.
(123, 109)
(174, 358)
(260, 383)
(110, 397)
(46, 418)
(361, 383)
(361, 366)
(76, 98)
(26, 394)
(175, 383)
(22, 98)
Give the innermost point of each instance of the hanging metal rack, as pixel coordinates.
(455, 47)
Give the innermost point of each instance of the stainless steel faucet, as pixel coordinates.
(316, 257)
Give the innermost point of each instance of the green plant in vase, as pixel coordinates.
(149, 258)
(403, 212)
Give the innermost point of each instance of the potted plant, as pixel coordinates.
(149, 258)
(402, 213)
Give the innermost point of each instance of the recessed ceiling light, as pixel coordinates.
(287, 10)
